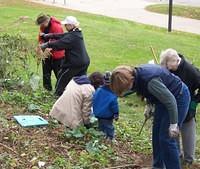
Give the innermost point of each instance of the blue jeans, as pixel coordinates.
(107, 127)
(165, 148)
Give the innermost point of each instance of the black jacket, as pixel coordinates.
(75, 54)
(190, 75)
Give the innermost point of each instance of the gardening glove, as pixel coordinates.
(173, 130)
(149, 110)
(43, 46)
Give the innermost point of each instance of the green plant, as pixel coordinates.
(33, 101)
(60, 162)
(14, 53)
(83, 132)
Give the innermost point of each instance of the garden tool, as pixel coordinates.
(143, 124)
(147, 117)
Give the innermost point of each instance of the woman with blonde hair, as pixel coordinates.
(171, 98)
(190, 75)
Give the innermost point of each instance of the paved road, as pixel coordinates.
(131, 10)
(183, 2)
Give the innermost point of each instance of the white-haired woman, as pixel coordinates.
(190, 75)
(76, 58)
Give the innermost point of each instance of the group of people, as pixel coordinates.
(171, 89)
(68, 58)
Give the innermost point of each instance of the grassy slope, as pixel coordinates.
(178, 10)
(110, 42)
(106, 38)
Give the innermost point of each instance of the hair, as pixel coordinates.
(168, 54)
(41, 18)
(121, 79)
(96, 79)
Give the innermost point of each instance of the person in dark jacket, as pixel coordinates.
(105, 107)
(190, 75)
(77, 60)
(171, 98)
(54, 60)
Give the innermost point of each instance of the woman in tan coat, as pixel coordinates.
(73, 108)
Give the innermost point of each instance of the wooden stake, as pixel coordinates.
(154, 55)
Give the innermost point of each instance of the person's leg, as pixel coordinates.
(157, 159)
(46, 68)
(101, 125)
(188, 133)
(171, 153)
(64, 78)
(56, 65)
(109, 129)
(66, 75)
(169, 148)
(183, 102)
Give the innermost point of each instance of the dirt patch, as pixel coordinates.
(24, 147)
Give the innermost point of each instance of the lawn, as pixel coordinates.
(110, 42)
(178, 10)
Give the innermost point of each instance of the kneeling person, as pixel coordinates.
(73, 107)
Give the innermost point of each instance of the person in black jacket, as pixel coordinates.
(76, 57)
(190, 75)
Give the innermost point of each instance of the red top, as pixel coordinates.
(55, 27)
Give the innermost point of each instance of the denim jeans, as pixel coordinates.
(107, 127)
(165, 148)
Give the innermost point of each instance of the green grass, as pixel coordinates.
(110, 42)
(178, 10)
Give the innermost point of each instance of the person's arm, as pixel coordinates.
(63, 43)
(162, 93)
(55, 36)
(115, 108)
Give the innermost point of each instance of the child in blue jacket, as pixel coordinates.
(105, 107)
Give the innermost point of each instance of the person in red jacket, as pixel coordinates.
(47, 25)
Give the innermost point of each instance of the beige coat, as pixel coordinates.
(74, 106)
